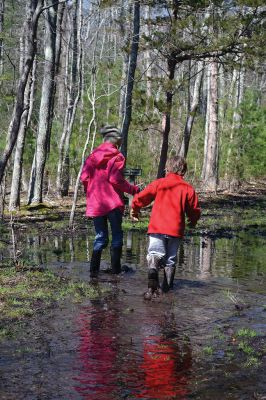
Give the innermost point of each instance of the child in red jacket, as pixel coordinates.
(174, 199)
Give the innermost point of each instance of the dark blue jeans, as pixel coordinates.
(101, 228)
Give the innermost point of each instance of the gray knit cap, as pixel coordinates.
(111, 131)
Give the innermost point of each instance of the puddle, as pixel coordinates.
(184, 345)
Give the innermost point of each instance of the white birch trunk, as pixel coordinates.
(34, 9)
(45, 113)
(2, 13)
(210, 178)
(63, 178)
(192, 111)
(14, 200)
(237, 99)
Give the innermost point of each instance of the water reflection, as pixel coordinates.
(97, 353)
(165, 370)
(156, 365)
(207, 248)
(202, 257)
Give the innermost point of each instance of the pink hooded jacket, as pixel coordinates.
(103, 180)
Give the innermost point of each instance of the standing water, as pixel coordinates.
(205, 339)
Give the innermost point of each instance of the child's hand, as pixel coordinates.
(141, 186)
(134, 215)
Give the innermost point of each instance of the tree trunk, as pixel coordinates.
(124, 34)
(30, 28)
(210, 175)
(62, 50)
(166, 124)
(232, 165)
(192, 111)
(92, 123)
(45, 113)
(2, 196)
(2, 13)
(63, 179)
(14, 200)
(131, 75)
(148, 58)
(206, 107)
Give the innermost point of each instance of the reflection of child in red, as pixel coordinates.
(165, 374)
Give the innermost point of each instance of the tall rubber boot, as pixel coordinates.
(95, 263)
(153, 276)
(116, 253)
(169, 274)
(153, 283)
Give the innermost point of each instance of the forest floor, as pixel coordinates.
(221, 212)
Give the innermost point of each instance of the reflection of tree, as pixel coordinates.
(129, 246)
(71, 249)
(206, 251)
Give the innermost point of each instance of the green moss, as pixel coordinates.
(252, 362)
(141, 225)
(208, 350)
(243, 346)
(246, 332)
(23, 294)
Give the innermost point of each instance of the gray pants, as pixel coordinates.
(163, 247)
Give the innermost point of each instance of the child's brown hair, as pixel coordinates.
(177, 165)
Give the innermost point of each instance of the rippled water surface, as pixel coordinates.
(184, 345)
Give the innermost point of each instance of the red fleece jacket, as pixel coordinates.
(173, 199)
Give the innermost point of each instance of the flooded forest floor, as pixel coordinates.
(65, 337)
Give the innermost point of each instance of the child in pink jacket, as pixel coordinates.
(104, 184)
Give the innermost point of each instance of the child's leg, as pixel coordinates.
(172, 245)
(157, 247)
(155, 257)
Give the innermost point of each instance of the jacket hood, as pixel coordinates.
(103, 153)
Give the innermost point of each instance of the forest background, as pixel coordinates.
(179, 77)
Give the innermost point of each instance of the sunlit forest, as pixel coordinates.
(178, 77)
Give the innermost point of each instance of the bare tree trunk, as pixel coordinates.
(2, 13)
(131, 75)
(2, 196)
(210, 177)
(232, 165)
(192, 111)
(221, 94)
(34, 8)
(45, 113)
(125, 60)
(147, 55)
(122, 102)
(207, 118)
(62, 47)
(62, 181)
(92, 99)
(166, 124)
(14, 200)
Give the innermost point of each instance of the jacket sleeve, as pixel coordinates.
(145, 197)
(86, 173)
(192, 207)
(116, 178)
